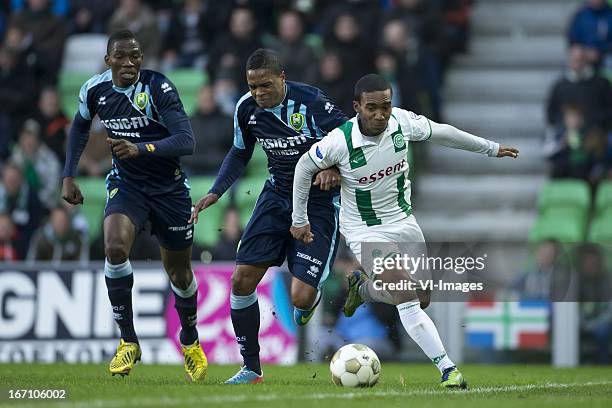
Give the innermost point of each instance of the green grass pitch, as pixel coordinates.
(309, 385)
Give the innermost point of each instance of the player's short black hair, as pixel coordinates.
(119, 36)
(370, 83)
(264, 58)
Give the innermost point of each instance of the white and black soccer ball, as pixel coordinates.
(355, 365)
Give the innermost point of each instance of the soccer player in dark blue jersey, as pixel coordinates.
(286, 118)
(147, 132)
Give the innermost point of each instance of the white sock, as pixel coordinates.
(423, 331)
(368, 293)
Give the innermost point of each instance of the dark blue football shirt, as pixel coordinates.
(285, 132)
(148, 113)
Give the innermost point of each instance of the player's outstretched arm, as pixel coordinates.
(450, 136)
(77, 140)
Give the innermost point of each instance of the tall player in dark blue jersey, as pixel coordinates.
(147, 131)
(286, 118)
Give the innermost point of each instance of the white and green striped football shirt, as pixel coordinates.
(374, 170)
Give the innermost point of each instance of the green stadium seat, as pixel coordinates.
(70, 84)
(565, 193)
(601, 230)
(603, 199)
(208, 229)
(246, 194)
(94, 200)
(566, 225)
(188, 83)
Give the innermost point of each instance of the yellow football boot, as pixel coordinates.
(125, 358)
(196, 365)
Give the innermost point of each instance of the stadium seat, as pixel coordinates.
(188, 83)
(84, 53)
(566, 225)
(246, 194)
(565, 193)
(603, 199)
(94, 200)
(208, 229)
(70, 83)
(601, 230)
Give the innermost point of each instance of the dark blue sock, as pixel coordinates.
(187, 311)
(120, 295)
(246, 327)
(186, 305)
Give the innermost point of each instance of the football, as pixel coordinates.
(355, 365)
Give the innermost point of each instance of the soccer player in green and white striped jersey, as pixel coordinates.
(370, 152)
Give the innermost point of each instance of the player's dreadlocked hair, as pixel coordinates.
(118, 36)
(370, 83)
(264, 59)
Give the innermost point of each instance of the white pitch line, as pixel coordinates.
(224, 399)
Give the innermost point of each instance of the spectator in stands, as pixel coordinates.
(580, 85)
(226, 93)
(595, 300)
(386, 65)
(39, 165)
(423, 23)
(18, 85)
(21, 203)
(564, 145)
(213, 132)
(297, 56)
(367, 12)
(591, 27)
(47, 32)
(546, 278)
(422, 18)
(265, 12)
(57, 240)
(53, 121)
(58, 7)
(225, 249)
(347, 40)
(96, 159)
(455, 27)
(138, 17)
(599, 150)
(90, 16)
(187, 36)
(78, 221)
(8, 253)
(331, 79)
(397, 40)
(231, 50)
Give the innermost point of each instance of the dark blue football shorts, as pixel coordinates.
(167, 212)
(267, 239)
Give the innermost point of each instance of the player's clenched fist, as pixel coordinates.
(302, 233)
(71, 191)
(122, 148)
(204, 202)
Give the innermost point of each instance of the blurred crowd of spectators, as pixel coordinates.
(578, 142)
(326, 43)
